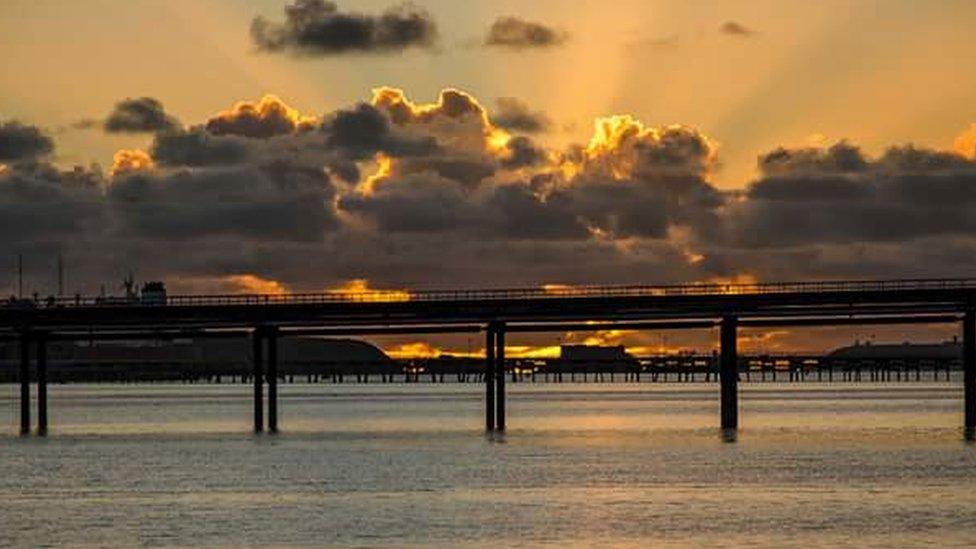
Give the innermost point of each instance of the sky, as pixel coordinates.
(303, 145)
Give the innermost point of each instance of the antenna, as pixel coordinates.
(20, 276)
(60, 274)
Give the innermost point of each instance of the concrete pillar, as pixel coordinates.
(730, 374)
(258, 374)
(41, 359)
(490, 378)
(25, 419)
(969, 372)
(500, 376)
(272, 376)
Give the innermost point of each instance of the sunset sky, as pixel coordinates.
(300, 145)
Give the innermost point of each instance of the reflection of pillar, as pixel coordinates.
(256, 358)
(25, 420)
(490, 377)
(729, 373)
(500, 376)
(969, 371)
(272, 380)
(41, 384)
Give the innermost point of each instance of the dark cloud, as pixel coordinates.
(364, 130)
(522, 153)
(139, 115)
(266, 118)
(839, 196)
(468, 170)
(20, 142)
(278, 202)
(197, 147)
(514, 115)
(841, 157)
(40, 203)
(407, 194)
(733, 28)
(512, 32)
(317, 27)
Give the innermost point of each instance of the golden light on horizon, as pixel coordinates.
(965, 144)
(358, 289)
(252, 284)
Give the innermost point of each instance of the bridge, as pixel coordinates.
(496, 312)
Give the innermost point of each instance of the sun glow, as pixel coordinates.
(252, 284)
(358, 289)
(130, 160)
(384, 169)
(965, 144)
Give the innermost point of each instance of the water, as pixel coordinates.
(408, 465)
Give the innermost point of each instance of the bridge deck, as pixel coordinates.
(452, 307)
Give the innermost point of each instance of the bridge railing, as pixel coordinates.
(546, 292)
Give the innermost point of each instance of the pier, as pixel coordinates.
(266, 319)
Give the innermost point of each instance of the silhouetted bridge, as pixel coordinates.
(266, 318)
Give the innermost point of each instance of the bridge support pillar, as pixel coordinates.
(969, 372)
(25, 419)
(41, 359)
(490, 377)
(500, 376)
(257, 353)
(272, 336)
(728, 360)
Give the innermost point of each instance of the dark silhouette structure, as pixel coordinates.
(268, 318)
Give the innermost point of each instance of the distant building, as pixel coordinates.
(945, 351)
(153, 293)
(593, 353)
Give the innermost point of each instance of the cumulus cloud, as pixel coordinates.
(839, 195)
(364, 130)
(130, 160)
(406, 193)
(197, 147)
(514, 115)
(139, 115)
(317, 27)
(40, 204)
(267, 118)
(516, 33)
(257, 203)
(22, 142)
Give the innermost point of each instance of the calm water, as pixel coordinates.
(587, 465)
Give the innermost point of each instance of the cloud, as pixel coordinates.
(317, 27)
(514, 115)
(257, 203)
(512, 32)
(197, 147)
(267, 118)
(622, 147)
(252, 284)
(130, 160)
(40, 203)
(139, 115)
(840, 196)
(19, 142)
(364, 130)
(733, 28)
(406, 194)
